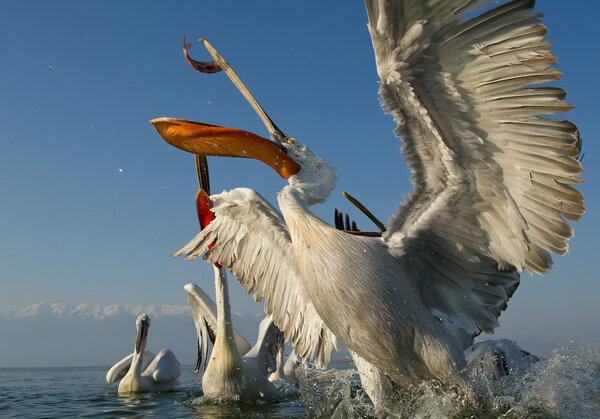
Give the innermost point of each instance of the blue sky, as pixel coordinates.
(93, 201)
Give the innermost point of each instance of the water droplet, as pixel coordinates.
(244, 152)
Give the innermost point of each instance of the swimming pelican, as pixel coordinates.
(285, 370)
(142, 371)
(228, 374)
(492, 188)
(204, 312)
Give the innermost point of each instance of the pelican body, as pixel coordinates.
(492, 193)
(142, 371)
(285, 370)
(234, 370)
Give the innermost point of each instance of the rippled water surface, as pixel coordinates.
(566, 384)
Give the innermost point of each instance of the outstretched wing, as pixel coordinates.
(164, 368)
(492, 179)
(118, 371)
(204, 309)
(251, 240)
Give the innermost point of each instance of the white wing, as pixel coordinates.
(164, 368)
(204, 309)
(492, 179)
(267, 345)
(118, 371)
(252, 241)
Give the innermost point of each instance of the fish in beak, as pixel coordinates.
(213, 140)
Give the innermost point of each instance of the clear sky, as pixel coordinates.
(93, 201)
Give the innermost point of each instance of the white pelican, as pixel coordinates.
(492, 188)
(204, 312)
(142, 371)
(228, 374)
(285, 370)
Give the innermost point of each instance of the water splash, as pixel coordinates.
(334, 393)
(567, 384)
(564, 385)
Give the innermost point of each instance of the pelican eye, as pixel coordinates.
(290, 140)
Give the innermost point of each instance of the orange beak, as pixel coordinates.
(213, 140)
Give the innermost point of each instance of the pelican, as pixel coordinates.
(142, 371)
(229, 375)
(285, 370)
(492, 192)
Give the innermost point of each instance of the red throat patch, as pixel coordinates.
(205, 214)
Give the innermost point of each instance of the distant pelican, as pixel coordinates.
(142, 371)
(492, 188)
(228, 374)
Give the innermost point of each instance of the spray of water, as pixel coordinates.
(566, 384)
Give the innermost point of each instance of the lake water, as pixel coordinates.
(566, 384)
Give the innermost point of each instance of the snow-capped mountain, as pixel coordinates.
(98, 311)
(65, 334)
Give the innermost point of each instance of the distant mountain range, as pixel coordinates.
(65, 334)
(97, 311)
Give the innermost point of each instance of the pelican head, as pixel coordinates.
(311, 176)
(142, 323)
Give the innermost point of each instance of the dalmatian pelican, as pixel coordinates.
(234, 370)
(493, 190)
(142, 371)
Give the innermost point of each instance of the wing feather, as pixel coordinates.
(204, 312)
(164, 368)
(251, 240)
(492, 178)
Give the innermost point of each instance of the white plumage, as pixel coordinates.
(492, 188)
(234, 370)
(285, 370)
(141, 371)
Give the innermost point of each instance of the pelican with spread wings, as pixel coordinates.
(492, 189)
